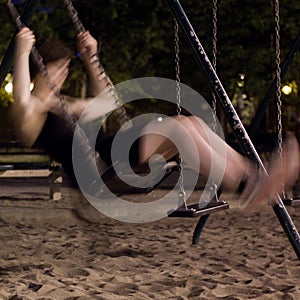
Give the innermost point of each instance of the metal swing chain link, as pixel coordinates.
(96, 63)
(214, 59)
(278, 76)
(178, 101)
(74, 16)
(278, 81)
(214, 187)
(177, 67)
(36, 57)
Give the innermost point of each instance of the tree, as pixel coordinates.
(137, 39)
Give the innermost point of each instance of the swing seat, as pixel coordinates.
(193, 210)
(146, 179)
(291, 201)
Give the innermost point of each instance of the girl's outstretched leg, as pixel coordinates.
(217, 155)
(283, 173)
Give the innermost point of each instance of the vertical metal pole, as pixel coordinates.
(233, 117)
(8, 58)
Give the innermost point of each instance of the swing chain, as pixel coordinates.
(96, 63)
(214, 30)
(177, 67)
(278, 82)
(35, 55)
(214, 59)
(74, 16)
(278, 76)
(15, 15)
(182, 193)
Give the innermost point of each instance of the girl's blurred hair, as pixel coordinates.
(51, 50)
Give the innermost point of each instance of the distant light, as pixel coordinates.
(242, 76)
(9, 87)
(286, 89)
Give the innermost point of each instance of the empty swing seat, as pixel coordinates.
(291, 201)
(194, 211)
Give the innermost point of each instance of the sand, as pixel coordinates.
(49, 252)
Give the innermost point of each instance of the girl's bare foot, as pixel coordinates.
(283, 173)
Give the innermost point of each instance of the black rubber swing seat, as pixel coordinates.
(291, 201)
(147, 179)
(194, 211)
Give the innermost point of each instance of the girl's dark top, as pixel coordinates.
(56, 138)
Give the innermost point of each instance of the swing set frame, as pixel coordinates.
(233, 118)
(221, 95)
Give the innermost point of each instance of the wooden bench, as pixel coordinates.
(17, 160)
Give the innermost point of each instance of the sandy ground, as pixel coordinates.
(48, 252)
